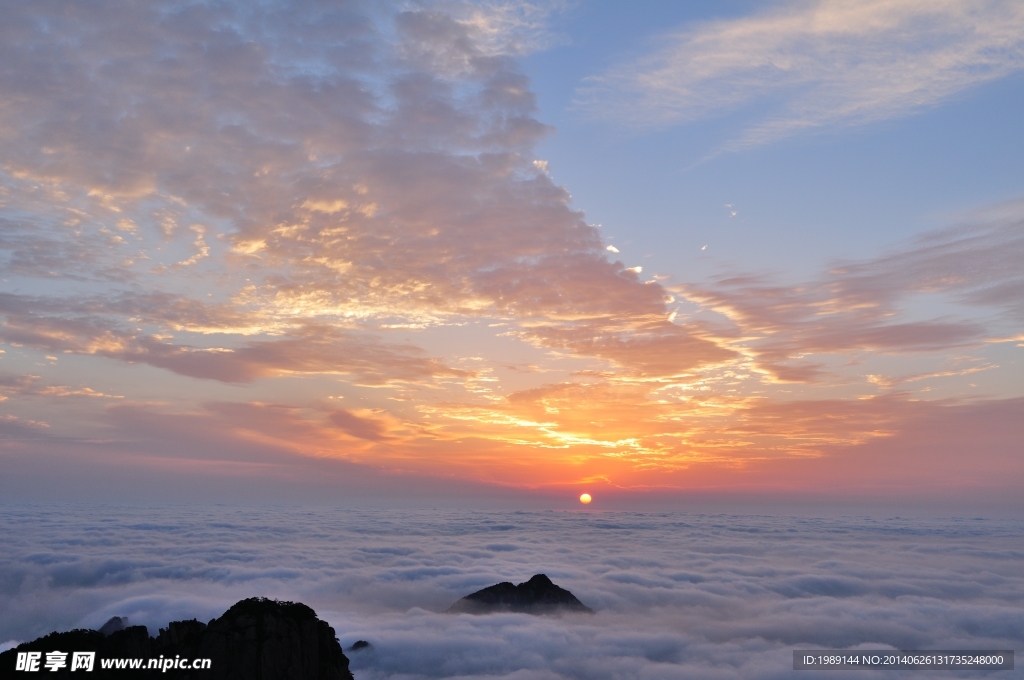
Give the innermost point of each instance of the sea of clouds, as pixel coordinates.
(675, 595)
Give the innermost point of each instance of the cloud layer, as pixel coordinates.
(677, 595)
(376, 174)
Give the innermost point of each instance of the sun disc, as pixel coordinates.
(585, 499)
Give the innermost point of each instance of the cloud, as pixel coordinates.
(681, 407)
(814, 64)
(927, 442)
(29, 385)
(866, 305)
(660, 349)
(613, 436)
(309, 349)
(702, 412)
(509, 27)
(250, 432)
(363, 427)
(377, 173)
(691, 595)
(280, 207)
(15, 428)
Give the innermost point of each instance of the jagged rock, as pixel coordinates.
(359, 645)
(537, 596)
(256, 639)
(114, 624)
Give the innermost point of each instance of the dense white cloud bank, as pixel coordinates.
(676, 595)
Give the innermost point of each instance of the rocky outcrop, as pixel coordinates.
(114, 624)
(256, 639)
(536, 596)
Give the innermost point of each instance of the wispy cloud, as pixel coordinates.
(509, 28)
(31, 385)
(864, 306)
(813, 64)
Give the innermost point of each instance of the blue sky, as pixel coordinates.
(839, 190)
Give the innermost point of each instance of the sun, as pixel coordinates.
(585, 499)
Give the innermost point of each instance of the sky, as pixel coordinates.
(675, 595)
(510, 252)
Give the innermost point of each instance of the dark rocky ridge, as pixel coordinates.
(256, 639)
(114, 624)
(537, 596)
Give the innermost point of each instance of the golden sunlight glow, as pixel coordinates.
(585, 499)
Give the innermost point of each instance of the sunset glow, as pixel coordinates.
(317, 256)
